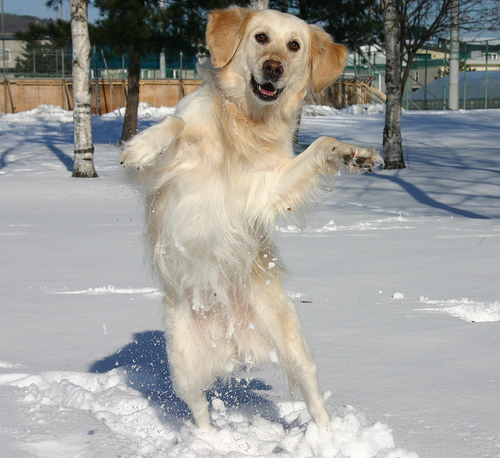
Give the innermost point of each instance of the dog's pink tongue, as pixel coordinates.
(267, 92)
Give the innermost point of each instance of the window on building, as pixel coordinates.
(7, 55)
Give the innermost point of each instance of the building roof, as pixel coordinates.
(474, 84)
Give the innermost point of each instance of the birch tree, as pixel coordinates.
(84, 149)
(408, 26)
(392, 143)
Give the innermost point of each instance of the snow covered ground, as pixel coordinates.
(396, 279)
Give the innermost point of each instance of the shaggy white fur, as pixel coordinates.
(216, 176)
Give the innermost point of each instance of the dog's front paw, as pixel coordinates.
(355, 159)
(361, 160)
(138, 152)
(143, 149)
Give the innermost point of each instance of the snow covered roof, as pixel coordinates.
(475, 87)
(491, 41)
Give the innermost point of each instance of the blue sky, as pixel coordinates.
(38, 8)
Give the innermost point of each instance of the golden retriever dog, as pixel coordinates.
(216, 176)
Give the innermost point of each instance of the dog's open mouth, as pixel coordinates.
(266, 91)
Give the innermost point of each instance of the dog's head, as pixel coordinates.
(267, 53)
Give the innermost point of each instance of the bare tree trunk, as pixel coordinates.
(134, 76)
(83, 165)
(407, 69)
(393, 148)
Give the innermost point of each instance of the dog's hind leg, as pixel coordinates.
(297, 360)
(189, 370)
(193, 396)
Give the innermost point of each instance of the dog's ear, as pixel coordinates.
(224, 32)
(327, 59)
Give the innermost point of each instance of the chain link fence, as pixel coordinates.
(57, 63)
(362, 80)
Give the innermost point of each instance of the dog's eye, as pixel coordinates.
(261, 38)
(293, 46)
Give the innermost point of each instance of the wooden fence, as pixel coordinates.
(25, 94)
(347, 91)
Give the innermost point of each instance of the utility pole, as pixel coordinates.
(454, 56)
(163, 63)
(63, 82)
(259, 4)
(3, 58)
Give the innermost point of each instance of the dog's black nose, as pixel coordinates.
(273, 70)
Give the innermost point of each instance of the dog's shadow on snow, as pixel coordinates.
(147, 370)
